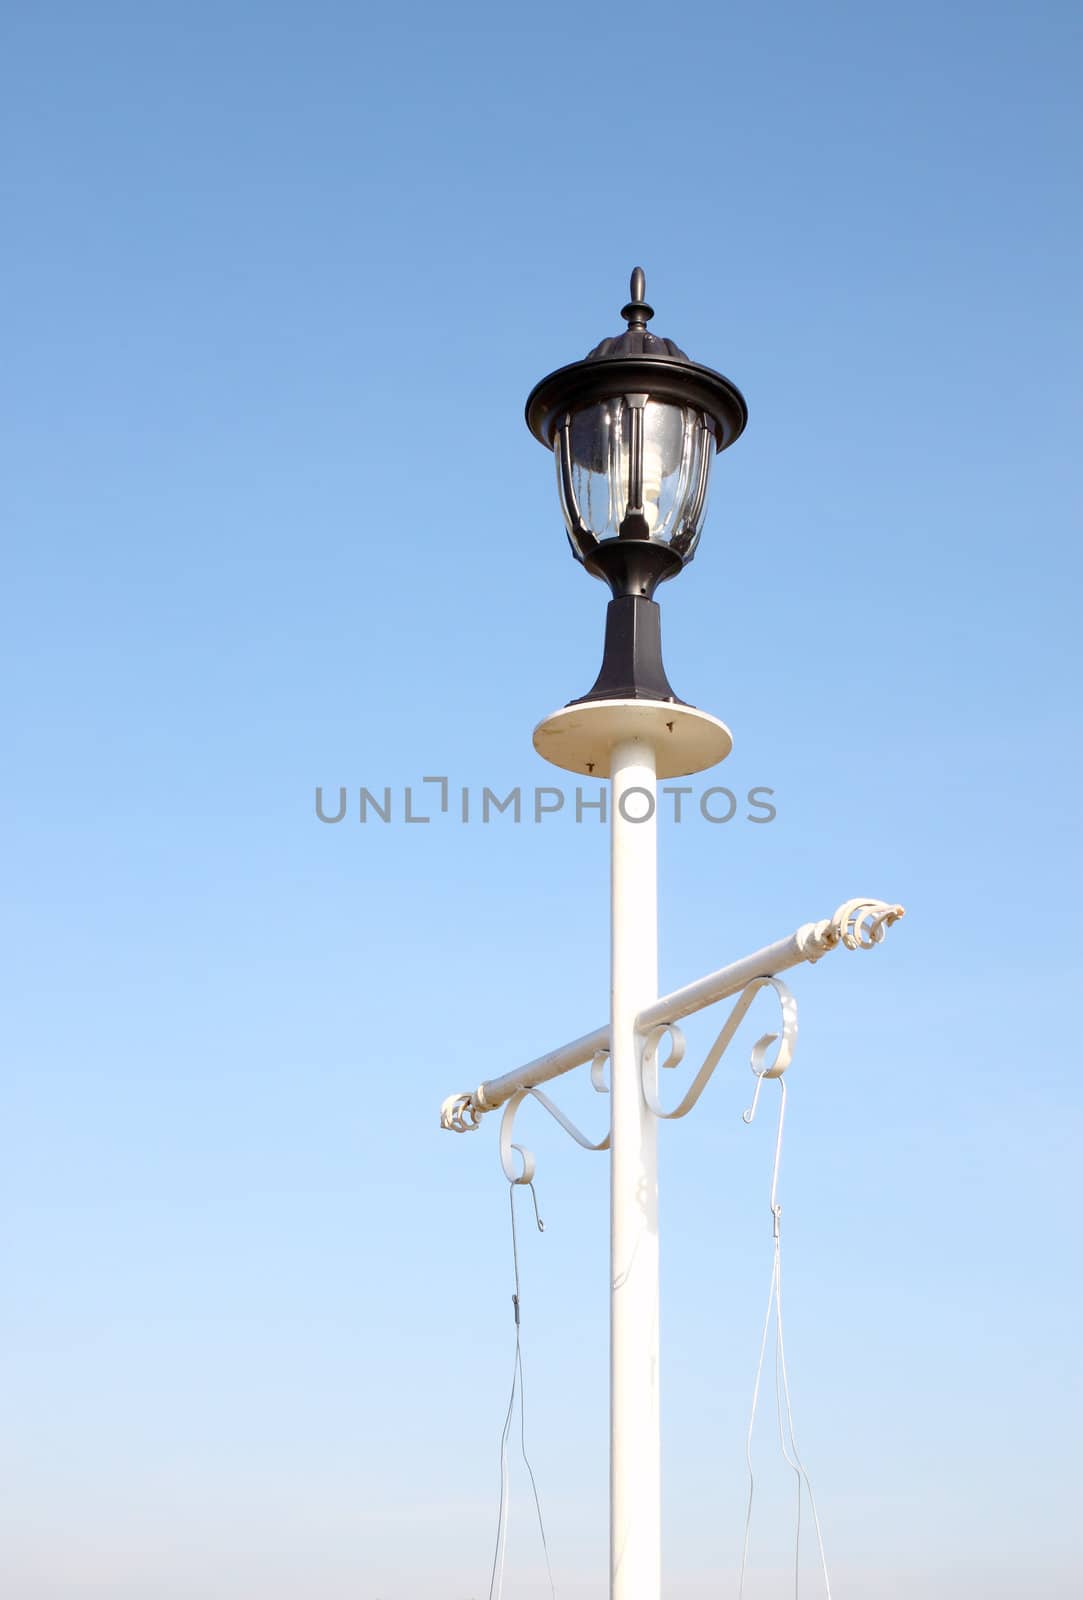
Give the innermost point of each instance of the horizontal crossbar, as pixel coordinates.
(856, 925)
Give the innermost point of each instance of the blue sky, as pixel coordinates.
(278, 281)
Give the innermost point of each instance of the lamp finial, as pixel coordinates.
(637, 313)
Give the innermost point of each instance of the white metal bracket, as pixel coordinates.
(857, 925)
(786, 1039)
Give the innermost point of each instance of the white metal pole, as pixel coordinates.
(635, 1432)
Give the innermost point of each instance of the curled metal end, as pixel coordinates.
(459, 1114)
(856, 925)
(637, 313)
(861, 924)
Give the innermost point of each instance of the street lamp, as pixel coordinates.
(634, 427)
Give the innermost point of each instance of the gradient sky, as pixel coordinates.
(278, 280)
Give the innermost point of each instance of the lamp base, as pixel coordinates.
(632, 664)
(581, 737)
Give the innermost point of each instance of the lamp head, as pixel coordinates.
(634, 428)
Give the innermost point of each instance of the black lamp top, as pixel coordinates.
(637, 361)
(635, 340)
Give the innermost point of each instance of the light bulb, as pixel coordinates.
(653, 473)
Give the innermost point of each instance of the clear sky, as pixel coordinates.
(278, 280)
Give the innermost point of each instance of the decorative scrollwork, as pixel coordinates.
(861, 924)
(762, 1064)
(856, 925)
(523, 1170)
(459, 1114)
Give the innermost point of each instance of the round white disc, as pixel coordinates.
(580, 738)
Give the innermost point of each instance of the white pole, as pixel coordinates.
(635, 1561)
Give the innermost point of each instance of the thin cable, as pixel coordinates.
(786, 1436)
(786, 1456)
(748, 1438)
(797, 1462)
(496, 1581)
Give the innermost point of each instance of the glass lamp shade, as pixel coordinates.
(633, 467)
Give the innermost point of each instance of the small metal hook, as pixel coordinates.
(747, 1116)
(537, 1214)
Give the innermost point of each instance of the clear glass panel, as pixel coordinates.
(692, 499)
(567, 498)
(595, 433)
(666, 432)
(594, 483)
(674, 445)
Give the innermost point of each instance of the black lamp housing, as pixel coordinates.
(634, 428)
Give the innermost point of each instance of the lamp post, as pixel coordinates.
(634, 429)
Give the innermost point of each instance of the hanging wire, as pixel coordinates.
(496, 1581)
(784, 1406)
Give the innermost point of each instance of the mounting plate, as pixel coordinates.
(580, 738)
